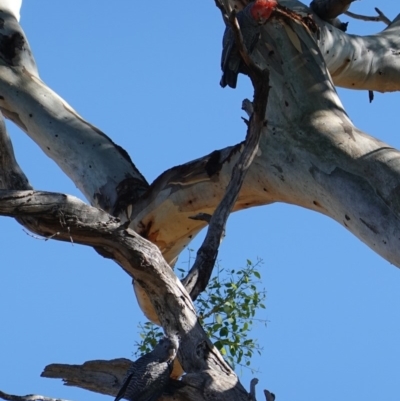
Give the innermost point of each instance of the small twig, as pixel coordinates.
(40, 238)
(378, 18)
(385, 19)
(62, 223)
(30, 397)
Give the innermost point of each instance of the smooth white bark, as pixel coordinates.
(359, 62)
(78, 147)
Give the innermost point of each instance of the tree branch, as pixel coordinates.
(11, 174)
(48, 213)
(105, 376)
(379, 18)
(30, 397)
(75, 145)
(197, 279)
(311, 155)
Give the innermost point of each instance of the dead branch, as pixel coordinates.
(30, 397)
(46, 213)
(197, 279)
(379, 18)
(103, 377)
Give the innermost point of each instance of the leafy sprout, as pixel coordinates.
(226, 310)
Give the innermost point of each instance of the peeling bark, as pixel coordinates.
(310, 155)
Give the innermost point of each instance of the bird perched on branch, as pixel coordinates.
(250, 20)
(148, 376)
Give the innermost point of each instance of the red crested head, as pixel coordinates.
(262, 10)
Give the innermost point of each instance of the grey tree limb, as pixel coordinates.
(75, 145)
(11, 174)
(68, 217)
(99, 376)
(104, 376)
(197, 279)
(29, 397)
(381, 17)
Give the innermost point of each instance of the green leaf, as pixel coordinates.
(216, 327)
(257, 274)
(223, 332)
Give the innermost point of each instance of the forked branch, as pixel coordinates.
(381, 17)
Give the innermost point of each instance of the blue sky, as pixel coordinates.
(148, 76)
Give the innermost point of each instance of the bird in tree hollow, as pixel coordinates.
(148, 377)
(250, 20)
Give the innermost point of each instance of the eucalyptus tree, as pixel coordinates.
(301, 148)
